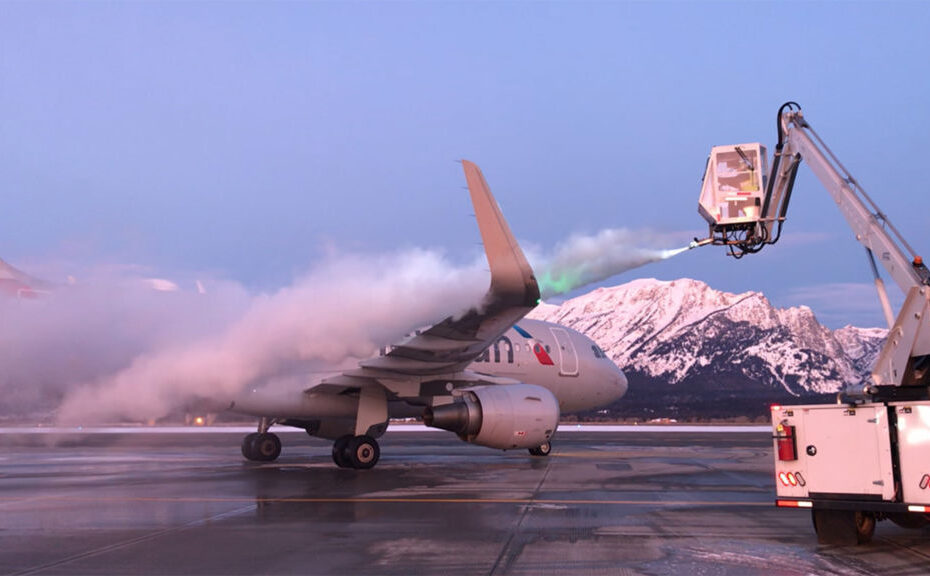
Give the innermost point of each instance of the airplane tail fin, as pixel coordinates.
(512, 280)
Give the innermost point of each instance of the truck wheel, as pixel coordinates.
(865, 527)
(843, 527)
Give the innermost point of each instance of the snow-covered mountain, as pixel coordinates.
(681, 342)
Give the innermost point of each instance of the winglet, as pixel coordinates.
(512, 279)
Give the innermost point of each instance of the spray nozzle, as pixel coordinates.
(698, 243)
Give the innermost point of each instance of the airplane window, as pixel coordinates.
(548, 349)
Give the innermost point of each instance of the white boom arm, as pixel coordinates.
(869, 224)
(909, 335)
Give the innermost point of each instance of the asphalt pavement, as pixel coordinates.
(613, 502)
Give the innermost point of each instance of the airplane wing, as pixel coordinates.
(454, 343)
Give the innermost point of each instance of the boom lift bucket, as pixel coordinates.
(733, 185)
(733, 197)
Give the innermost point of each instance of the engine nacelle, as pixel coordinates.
(505, 417)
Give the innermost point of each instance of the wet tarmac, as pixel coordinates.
(622, 503)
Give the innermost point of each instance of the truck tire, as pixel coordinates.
(843, 527)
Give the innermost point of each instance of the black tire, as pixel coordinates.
(865, 527)
(340, 452)
(247, 450)
(363, 452)
(843, 527)
(542, 450)
(266, 447)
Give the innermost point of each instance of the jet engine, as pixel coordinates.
(506, 416)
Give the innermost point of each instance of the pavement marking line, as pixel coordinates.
(132, 541)
(520, 501)
(505, 549)
(905, 548)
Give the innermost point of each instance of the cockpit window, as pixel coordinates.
(598, 353)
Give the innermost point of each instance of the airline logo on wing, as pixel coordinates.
(538, 349)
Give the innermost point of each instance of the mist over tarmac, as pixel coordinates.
(112, 349)
(116, 347)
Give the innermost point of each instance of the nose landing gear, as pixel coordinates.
(542, 450)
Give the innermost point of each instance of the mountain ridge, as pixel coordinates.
(686, 347)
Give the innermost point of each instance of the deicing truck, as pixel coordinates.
(867, 457)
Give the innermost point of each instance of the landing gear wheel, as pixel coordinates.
(542, 450)
(340, 452)
(843, 527)
(247, 450)
(266, 447)
(363, 452)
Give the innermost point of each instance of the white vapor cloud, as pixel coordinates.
(111, 348)
(581, 260)
(129, 353)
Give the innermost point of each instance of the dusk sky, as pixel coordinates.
(245, 141)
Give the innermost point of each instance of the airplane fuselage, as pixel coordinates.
(567, 363)
(488, 375)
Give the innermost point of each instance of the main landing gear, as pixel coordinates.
(262, 446)
(359, 452)
(542, 450)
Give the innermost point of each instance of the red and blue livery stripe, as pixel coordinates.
(538, 349)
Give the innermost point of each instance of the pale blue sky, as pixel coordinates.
(247, 139)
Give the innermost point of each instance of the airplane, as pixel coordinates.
(489, 375)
